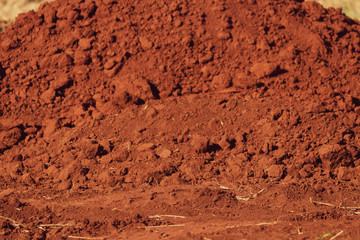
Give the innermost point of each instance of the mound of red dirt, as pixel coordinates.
(139, 118)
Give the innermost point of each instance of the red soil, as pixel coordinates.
(180, 120)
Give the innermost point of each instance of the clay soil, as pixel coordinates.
(182, 119)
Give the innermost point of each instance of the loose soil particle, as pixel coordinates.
(180, 119)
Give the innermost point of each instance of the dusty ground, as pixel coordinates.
(180, 120)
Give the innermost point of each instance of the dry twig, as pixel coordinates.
(249, 198)
(350, 208)
(88, 238)
(338, 234)
(171, 216)
(253, 225)
(163, 226)
(333, 205)
(13, 222)
(322, 203)
(57, 225)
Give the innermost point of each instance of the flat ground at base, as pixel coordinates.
(206, 211)
(200, 200)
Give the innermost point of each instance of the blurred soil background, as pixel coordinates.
(350, 7)
(9, 9)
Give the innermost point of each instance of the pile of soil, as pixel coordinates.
(180, 119)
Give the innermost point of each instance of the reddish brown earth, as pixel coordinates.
(180, 120)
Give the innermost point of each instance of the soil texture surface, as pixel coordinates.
(181, 119)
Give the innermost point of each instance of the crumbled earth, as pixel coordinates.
(180, 120)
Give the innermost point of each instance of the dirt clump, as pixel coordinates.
(138, 119)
